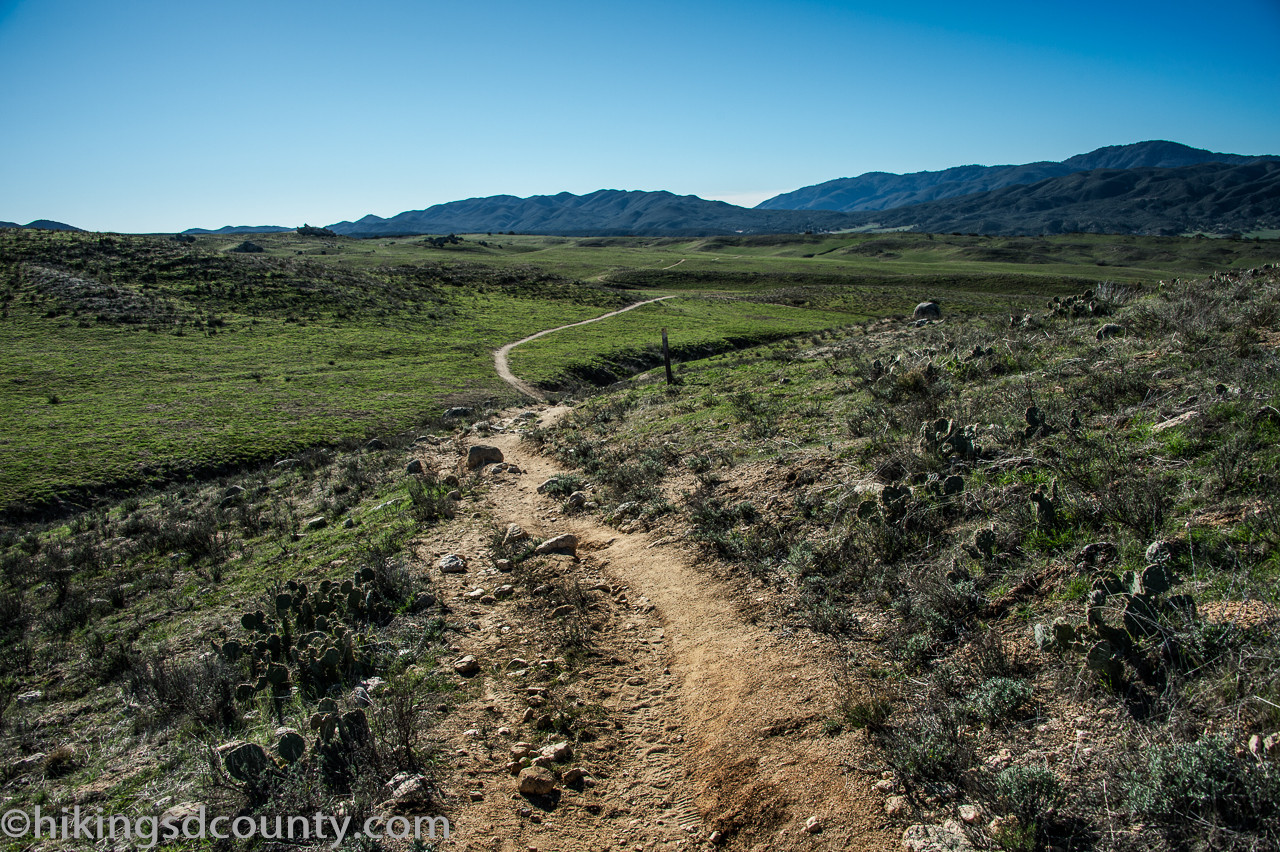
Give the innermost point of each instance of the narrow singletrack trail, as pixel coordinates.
(724, 726)
(725, 723)
(500, 361)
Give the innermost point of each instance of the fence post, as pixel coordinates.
(666, 357)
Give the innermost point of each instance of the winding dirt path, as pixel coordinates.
(719, 719)
(504, 368)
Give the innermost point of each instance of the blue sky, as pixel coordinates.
(146, 116)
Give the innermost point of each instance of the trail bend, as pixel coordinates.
(500, 357)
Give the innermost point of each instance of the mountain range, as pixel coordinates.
(1209, 197)
(885, 191)
(1154, 187)
(602, 213)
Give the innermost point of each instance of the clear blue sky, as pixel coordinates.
(146, 116)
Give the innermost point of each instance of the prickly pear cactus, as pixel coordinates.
(1037, 425)
(948, 439)
(1129, 618)
(1046, 507)
(310, 642)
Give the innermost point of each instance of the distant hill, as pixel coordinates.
(1205, 197)
(239, 229)
(601, 213)
(42, 224)
(885, 191)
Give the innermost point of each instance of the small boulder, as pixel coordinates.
(935, 838)
(514, 533)
(453, 564)
(536, 781)
(181, 812)
(466, 666)
(478, 455)
(927, 311)
(566, 543)
(457, 411)
(414, 467)
(374, 444)
(407, 792)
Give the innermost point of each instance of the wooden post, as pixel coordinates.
(666, 358)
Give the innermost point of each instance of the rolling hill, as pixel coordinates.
(239, 229)
(43, 225)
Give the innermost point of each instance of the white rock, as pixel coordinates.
(568, 542)
(453, 564)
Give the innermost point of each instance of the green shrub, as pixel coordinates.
(1202, 783)
(1028, 792)
(929, 747)
(1000, 698)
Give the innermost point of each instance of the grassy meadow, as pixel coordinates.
(132, 360)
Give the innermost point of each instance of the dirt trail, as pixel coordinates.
(720, 719)
(504, 369)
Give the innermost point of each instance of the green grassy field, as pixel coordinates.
(1120, 258)
(132, 360)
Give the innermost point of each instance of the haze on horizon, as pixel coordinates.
(150, 117)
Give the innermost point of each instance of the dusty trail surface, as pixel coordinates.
(504, 369)
(712, 735)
